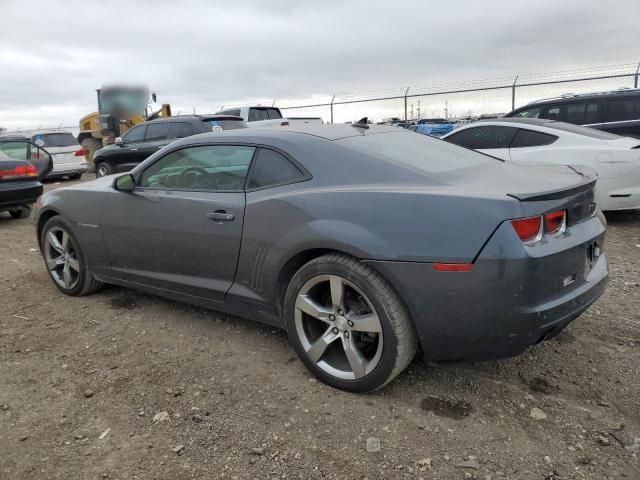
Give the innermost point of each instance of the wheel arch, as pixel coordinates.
(296, 261)
(43, 218)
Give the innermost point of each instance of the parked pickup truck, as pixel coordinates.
(267, 116)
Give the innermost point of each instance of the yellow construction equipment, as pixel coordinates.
(119, 108)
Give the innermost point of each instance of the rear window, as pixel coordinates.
(272, 168)
(420, 153)
(234, 111)
(54, 140)
(484, 137)
(257, 114)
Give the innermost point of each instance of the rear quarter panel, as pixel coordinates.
(367, 223)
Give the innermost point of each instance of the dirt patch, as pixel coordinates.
(444, 407)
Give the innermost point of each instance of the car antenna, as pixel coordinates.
(362, 123)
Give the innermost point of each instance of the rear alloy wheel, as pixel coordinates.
(64, 259)
(347, 325)
(22, 212)
(103, 169)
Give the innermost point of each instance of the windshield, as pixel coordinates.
(123, 102)
(54, 140)
(419, 153)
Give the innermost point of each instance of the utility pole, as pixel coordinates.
(446, 110)
(419, 110)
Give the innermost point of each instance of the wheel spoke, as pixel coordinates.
(74, 264)
(54, 242)
(317, 348)
(306, 304)
(66, 276)
(369, 322)
(65, 241)
(356, 361)
(337, 291)
(53, 263)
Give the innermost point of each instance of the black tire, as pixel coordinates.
(90, 146)
(86, 283)
(103, 169)
(398, 338)
(21, 212)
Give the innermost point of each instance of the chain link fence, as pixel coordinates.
(462, 101)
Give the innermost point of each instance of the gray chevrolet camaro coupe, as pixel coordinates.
(363, 242)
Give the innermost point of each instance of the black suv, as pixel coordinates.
(616, 112)
(147, 138)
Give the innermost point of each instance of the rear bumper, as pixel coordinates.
(508, 302)
(17, 194)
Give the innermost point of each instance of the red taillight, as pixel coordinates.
(554, 222)
(528, 229)
(23, 171)
(453, 267)
(79, 153)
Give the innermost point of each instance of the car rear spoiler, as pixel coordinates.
(589, 178)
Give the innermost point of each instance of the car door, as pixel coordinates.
(156, 137)
(493, 140)
(181, 227)
(528, 146)
(129, 153)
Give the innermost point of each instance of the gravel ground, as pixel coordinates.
(123, 385)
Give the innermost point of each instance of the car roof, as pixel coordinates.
(325, 131)
(578, 97)
(203, 118)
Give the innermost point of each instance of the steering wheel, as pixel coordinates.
(183, 174)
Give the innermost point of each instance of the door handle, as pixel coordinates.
(133, 149)
(220, 216)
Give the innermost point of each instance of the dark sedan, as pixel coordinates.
(361, 241)
(22, 165)
(147, 138)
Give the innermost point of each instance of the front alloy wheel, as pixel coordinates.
(61, 258)
(65, 260)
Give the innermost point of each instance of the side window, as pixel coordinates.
(181, 129)
(487, 137)
(136, 134)
(552, 112)
(209, 167)
(621, 109)
(274, 113)
(575, 113)
(529, 113)
(272, 168)
(256, 114)
(529, 138)
(592, 115)
(156, 132)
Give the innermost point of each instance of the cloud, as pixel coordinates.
(54, 54)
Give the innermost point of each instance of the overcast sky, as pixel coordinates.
(54, 54)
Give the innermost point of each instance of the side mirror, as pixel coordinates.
(125, 183)
(26, 151)
(119, 141)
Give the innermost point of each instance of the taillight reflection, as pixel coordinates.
(555, 222)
